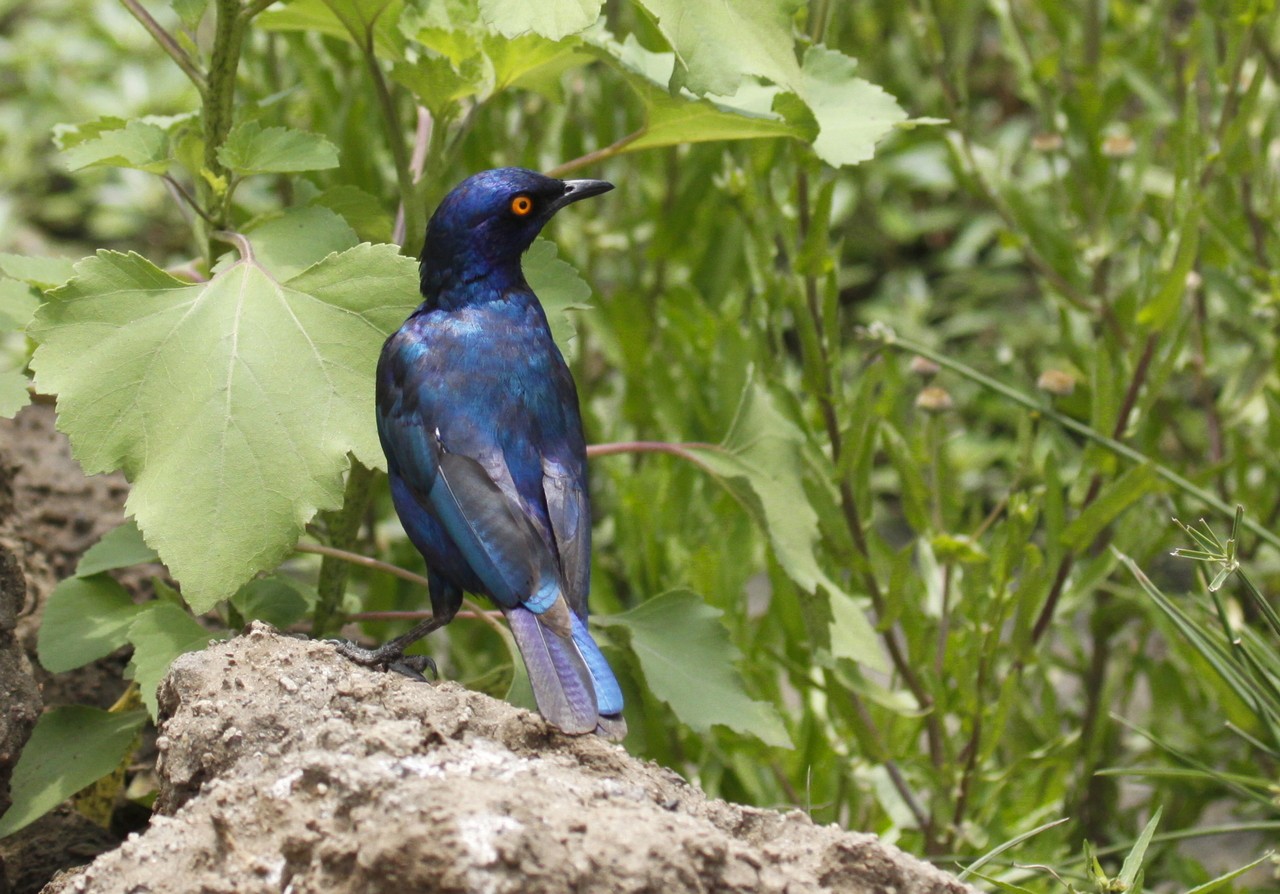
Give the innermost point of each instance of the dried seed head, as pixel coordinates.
(1046, 142)
(934, 400)
(1119, 145)
(1056, 382)
(924, 367)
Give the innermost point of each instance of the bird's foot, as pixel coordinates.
(387, 657)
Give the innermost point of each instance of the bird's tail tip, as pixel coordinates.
(572, 684)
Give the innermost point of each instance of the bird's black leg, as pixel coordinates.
(390, 655)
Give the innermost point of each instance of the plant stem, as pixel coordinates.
(343, 527)
(168, 44)
(888, 339)
(598, 155)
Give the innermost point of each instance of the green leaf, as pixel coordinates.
(18, 303)
(70, 748)
(85, 619)
(252, 149)
(160, 633)
(437, 84)
(1132, 868)
(852, 114)
(275, 600)
(230, 404)
(760, 461)
(552, 19)
(719, 44)
(120, 547)
(348, 21)
(43, 273)
(1160, 309)
(138, 145)
(852, 636)
(362, 212)
(286, 244)
(559, 289)
(683, 118)
(14, 393)
(687, 660)
(1118, 496)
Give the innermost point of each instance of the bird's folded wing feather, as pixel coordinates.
(570, 515)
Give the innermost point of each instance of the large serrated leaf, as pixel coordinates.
(70, 748)
(684, 118)
(138, 144)
(719, 44)
(231, 405)
(252, 149)
(852, 114)
(552, 19)
(687, 660)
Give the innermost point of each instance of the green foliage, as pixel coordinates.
(687, 662)
(70, 748)
(915, 561)
(232, 405)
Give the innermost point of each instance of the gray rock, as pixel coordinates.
(286, 768)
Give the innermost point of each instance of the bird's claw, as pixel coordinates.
(385, 658)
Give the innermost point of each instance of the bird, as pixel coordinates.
(478, 416)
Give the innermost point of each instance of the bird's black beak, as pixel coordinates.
(580, 189)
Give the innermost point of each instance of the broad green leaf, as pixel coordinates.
(120, 547)
(43, 273)
(530, 61)
(13, 391)
(362, 212)
(18, 303)
(84, 620)
(136, 145)
(683, 118)
(438, 84)
(360, 17)
(687, 660)
(160, 633)
(852, 114)
(345, 20)
(760, 461)
(289, 243)
(559, 289)
(552, 19)
(275, 600)
(70, 748)
(230, 404)
(1114, 499)
(719, 44)
(252, 149)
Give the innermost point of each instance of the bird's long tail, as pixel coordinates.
(572, 683)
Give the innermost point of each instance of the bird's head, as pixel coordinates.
(483, 226)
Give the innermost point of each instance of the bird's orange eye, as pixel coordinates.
(521, 205)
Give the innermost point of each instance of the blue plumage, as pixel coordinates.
(478, 416)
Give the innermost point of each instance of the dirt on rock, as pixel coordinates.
(283, 767)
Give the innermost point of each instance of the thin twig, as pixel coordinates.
(591, 158)
(395, 570)
(168, 43)
(177, 189)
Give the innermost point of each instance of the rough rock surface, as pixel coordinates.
(22, 697)
(286, 768)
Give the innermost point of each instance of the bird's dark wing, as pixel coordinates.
(570, 515)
